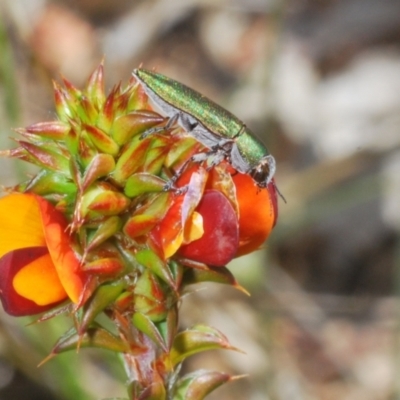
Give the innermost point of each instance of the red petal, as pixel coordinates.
(13, 263)
(220, 241)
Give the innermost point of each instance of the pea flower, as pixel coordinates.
(119, 222)
(38, 265)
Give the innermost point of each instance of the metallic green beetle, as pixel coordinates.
(225, 135)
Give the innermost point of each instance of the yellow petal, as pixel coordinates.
(194, 228)
(172, 246)
(39, 282)
(20, 223)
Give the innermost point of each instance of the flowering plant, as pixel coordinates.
(95, 232)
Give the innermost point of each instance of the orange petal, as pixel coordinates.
(170, 229)
(257, 210)
(58, 243)
(20, 223)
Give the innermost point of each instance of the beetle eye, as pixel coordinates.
(261, 174)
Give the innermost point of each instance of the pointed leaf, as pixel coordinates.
(138, 99)
(209, 274)
(86, 150)
(139, 225)
(95, 336)
(55, 130)
(147, 326)
(101, 140)
(149, 297)
(105, 230)
(169, 327)
(106, 117)
(195, 340)
(157, 153)
(102, 201)
(104, 266)
(46, 158)
(100, 166)
(181, 150)
(143, 182)
(95, 87)
(131, 159)
(128, 125)
(64, 108)
(73, 139)
(101, 298)
(197, 385)
(49, 182)
(156, 391)
(86, 111)
(156, 209)
(150, 260)
(148, 391)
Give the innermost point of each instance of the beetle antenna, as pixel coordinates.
(280, 194)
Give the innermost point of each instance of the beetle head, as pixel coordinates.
(264, 171)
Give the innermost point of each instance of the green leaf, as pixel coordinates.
(143, 182)
(49, 182)
(101, 298)
(169, 327)
(131, 159)
(101, 165)
(198, 273)
(46, 158)
(101, 201)
(147, 216)
(105, 230)
(156, 155)
(95, 336)
(139, 225)
(134, 123)
(149, 297)
(95, 87)
(195, 340)
(181, 150)
(150, 260)
(153, 391)
(147, 326)
(55, 130)
(197, 385)
(101, 140)
(64, 108)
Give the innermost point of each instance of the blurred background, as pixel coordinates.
(319, 82)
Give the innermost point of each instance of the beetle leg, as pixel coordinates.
(170, 185)
(171, 122)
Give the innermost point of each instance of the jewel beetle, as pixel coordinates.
(225, 135)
